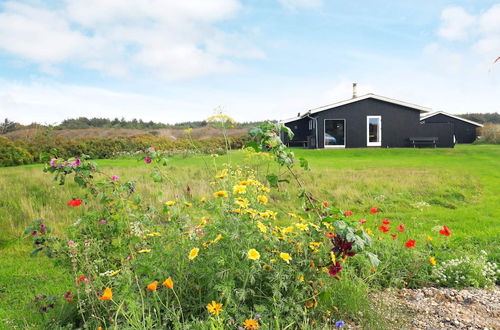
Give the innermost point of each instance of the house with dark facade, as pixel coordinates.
(368, 121)
(464, 130)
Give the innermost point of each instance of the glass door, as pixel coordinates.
(374, 131)
(334, 133)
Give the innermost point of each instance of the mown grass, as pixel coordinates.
(422, 188)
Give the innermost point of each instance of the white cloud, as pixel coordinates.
(456, 23)
(296, 4)
(173, 39)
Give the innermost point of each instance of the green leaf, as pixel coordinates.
(374, 260)
(253, 145)
(156, 176)
(273, 180)
(304, 163)
(45, 156)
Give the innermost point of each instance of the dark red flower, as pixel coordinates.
(410, 243)
(386, 222)
(374, 210)
(75, 202)
(362, 221)
(445, 231)
(330, 235)
(385, 229)
(342, 247)
(400, 228)
(394, 236)
(325, 204)
(348, 213)
(335, 269)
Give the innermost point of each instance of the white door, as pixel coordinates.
(374, 131)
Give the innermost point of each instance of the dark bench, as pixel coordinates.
(420, 140)
(293, 142)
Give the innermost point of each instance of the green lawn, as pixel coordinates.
(423, 188)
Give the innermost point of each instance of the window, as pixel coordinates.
(334, 133)
(373, 131)
(311, 124)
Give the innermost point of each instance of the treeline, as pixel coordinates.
(84, 123)
(483, 118)
(26, 151)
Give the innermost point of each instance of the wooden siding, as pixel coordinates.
(464, 131)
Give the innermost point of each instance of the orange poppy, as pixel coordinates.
(153, 286)
(168, 283)
(108, 294)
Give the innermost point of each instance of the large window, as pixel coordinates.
(374, 131)
(334, 133)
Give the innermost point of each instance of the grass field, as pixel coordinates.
(421, 187)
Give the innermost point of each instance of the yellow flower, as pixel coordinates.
(244, 183)
(237, 211)
(300, 278)
(264, 189)
(251, 324)
(267, 267)
(369, 231)
(203, 200)
(286, 257)
(314, 245)
(432, 260)
(170, 203)
(302, 227)
(193, 253)
(239, 189)
(144, 251)
(262, 227)
(253, 254)
(187, 204)
(241, 202)
(214, 308)
(273, 260)
(153, 286)
(168, 283)
(188, 130)
(429, 238)
(214, 155)
(332, 256)
(115, 272)
(221, 193)
(287, 230)
(153, 234)
(221, 175)
(262, 199)
(218, 238)
(107, 295)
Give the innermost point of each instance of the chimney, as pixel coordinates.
(354, 90)
(298, 115)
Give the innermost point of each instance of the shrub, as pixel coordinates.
(11, 155)
(490, 133)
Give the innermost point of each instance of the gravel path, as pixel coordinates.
(444, 308)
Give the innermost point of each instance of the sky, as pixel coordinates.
(173, 61)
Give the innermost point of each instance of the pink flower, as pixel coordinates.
(400, 228)
(70, 243)
(147, 159)
(115, 178)
(53, 162)
(362, 221)
(103, 221)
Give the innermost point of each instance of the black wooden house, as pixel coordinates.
(465, 131)
(368, 121)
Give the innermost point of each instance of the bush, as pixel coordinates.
(12, 155)
(490, 133)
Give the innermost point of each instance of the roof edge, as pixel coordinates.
(429, 115)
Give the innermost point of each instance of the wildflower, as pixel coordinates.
(262, 199)
(116, 272)
(400, 228)
(170, 203)
(103, 221)
(286, 257)
(267, 267)
(394, 236)
(374, 210)
(221, 175)
(385, 229)
(115, 178)
(75, 202)
(335, 268)
(253, 254)
(83, 279)
(262, 227)
(217, 238)
(314, 245)
(369, 232)
(445, 231)
(214, 155)
(221, 193)
(362, 221)
(300, 278)
(193, 253)
(153, 234)
(242, 202)
(187, 204)
(168, 283)
(251, 324)
(71, 243)
(144, 251)
(342, 246)
(239, 189)
(264, 189)
(310, 303)
(203, 200)
(214, 308)
(386, 222)
(429, 238)
(108, 294)
(187, 131)
(410, 243)
(339, 324)
(53, 162)
(302, 226)
(147, 160)
(153, 286)
(348, 213)
(432, 260)
(332, 256)
(330, 235)
(325, 204)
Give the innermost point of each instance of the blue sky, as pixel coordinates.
(171, 61)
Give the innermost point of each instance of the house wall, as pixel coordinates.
(301, 130)
(443, 131)
(464, 132)
(398, 123)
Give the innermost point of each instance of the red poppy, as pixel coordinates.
(374, 210)
(445, 231)
(75, 202)
(385, 229)
(410, 243)
(347, 213)
(394, 236)
(330, 235)
(400, 228)
(325, 204)
(362, 221)
(82, 279)
(386, 222)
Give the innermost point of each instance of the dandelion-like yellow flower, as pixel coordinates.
(300, 278)
(237, 211)
(432, 260)
(193, 253)
(241, 202)
(251, 324)
(187, 204)
(221, 193)
(302, 226)
(287, 230)
(203, 200)
(244, 183)
(369, 231)
(314, 245)
(214, 308)
(264, 189)
(221, 175)
(262, 199)
(218, 238)
(239, 189)
(144, 251)
(253, 254)
(170, 203)
(286, 257)
(262, 227)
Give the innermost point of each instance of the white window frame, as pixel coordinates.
(324, 132)
(379, 133)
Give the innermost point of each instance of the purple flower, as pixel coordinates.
(115, 178)
(53, 162)
(339, 324)
(147, 160)
(335, 268)
(67, 294)
(103, 221)
(70, 243)
(257, 316)
(42, 228)
(34, 233)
